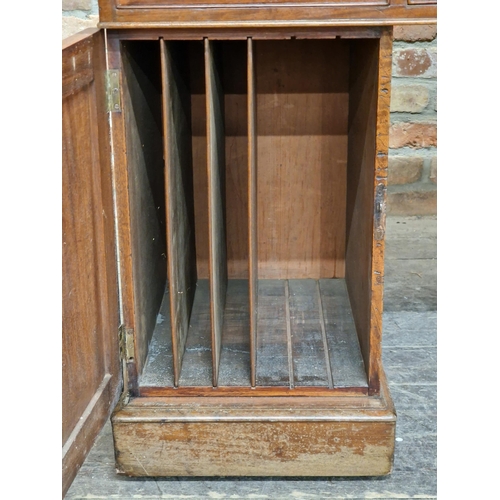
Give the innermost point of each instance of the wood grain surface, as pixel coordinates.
(216, 201)
(302, 108)
(181, 251)
(90, 367)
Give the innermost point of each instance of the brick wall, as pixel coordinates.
(413, 136)
(78, 15)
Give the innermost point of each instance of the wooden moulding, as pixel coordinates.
(314, 436)
(248, 13)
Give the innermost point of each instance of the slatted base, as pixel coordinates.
(306, 337)
(260, 436)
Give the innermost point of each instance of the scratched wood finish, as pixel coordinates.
(336, 436)
(181, 251)
(252, 209)
(302, 109)
(90, 366)
(228, 13)
(216, 201)
(142, 110)
(368, 147)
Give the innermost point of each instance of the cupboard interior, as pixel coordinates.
(250, 177)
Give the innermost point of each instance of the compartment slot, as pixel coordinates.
(216, 203)
(181, 250)
(344, 353)
(252, 209)
(307, 343)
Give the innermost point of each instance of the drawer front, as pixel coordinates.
(273, 13)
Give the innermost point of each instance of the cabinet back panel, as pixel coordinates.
(302, 111)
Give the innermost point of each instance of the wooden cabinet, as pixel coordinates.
(223, 237)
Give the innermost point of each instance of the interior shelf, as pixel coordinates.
(305, 337)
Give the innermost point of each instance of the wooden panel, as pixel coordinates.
(368, 146)
(216, 205)
(252, 208)
(142, 117)
(220, 3)
(242, 13)
(90, 321)
(216, 436)
(181, 252)
(302, 109)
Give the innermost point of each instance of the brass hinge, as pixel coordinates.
(113, 90)
(127, 347)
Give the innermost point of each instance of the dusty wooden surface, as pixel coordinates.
(409, 341)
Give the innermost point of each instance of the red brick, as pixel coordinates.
(413, 135)
(434, 170)
(418, 33)
(404, 169)
(412, 203)
(415, 62)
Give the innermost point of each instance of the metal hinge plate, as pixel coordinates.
(127, 347)
(113, 90)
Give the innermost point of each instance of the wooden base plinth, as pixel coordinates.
(256, 436)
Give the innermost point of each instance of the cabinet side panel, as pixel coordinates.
(216, 201)
(179, 197)
(368, 130)
(90, 368)
(145, 169)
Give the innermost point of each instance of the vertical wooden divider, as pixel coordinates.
(216, 205)
(252, 209)
(181, 251)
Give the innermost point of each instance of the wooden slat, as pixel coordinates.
(142, 189)
(181, 251)
(308, 350)
(347, 365)
(216, 191)
(272, 367)
(252, 209)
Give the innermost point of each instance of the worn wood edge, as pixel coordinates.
(244, 391)
(257, 33)
(380, 185)
(78, 444)
(285, 408)
(268, 24)
(78, 37)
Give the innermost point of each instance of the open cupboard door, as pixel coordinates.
(90, 362)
